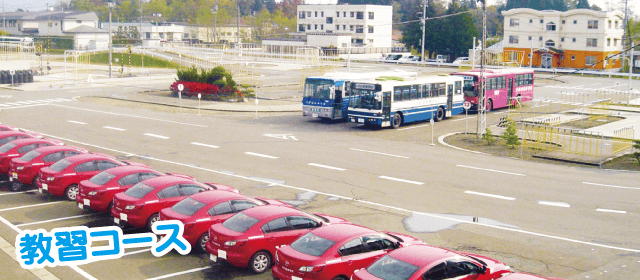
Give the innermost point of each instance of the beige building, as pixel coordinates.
(225, 34)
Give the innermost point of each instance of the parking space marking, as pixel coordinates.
(180, 273)
(353, 199)
(29, 206)
(127, 115)
(58, 219)
(610, 186)
(377, 153)
(554, 203)
(400, 180)
(260, 155)
(204, 145)
(492, 170)
(136, 252)
(77, 122)
(414, 127)
(114, 128)
(25, 106)
(611, 211)
(457, 120)
(327, 167)
(491, 195)
(18, 192)
(156, 136)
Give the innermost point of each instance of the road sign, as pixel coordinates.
(466, 105)
(199, 95)
(180, 87)
(90, 79)
(12, 72)
(431, 121)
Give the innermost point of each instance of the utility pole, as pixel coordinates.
(215, 22)
(423, 21)
(627, 35)
(238, 27)
(111, 5)
(140, 30)
(482, 114)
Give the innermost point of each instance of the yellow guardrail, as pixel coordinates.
(622, 139)
(548, 138)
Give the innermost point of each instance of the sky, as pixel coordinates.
(40, 5)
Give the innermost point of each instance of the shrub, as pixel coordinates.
(636, 155)
(511, 134)
(489, 137)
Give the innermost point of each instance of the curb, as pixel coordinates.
(40, 273)
(196, 108)
(441, 141)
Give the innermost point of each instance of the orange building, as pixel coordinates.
(579, 38)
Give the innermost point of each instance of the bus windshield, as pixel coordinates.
(318, 88)
(368, 99)
(469, 87)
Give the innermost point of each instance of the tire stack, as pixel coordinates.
(20, 76)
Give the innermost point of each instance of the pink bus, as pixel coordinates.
(502, 85)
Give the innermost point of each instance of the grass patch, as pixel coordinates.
(625, 162)
(136, 60)
(591, 121)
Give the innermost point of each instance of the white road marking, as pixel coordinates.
(498, 171)
(611, 211)
(157, 136)
(401, 180)
(18, 192)
(327, 167)
(555, 203)
(29, 206)
(77, 122)
(610, 186)
(126, 115)
(499, 113)
(4, 105)
(179, 273)
(377, 153)
(457, 120)
(25, 106)
(21, 102)
(116, 128)
(136, 252)
(413, 127)
(491, 195)
(348, 198)
(204, 145)
(13, 104)
(259, 155)
(55, 220)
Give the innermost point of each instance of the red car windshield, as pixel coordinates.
(6, 147)
(60, 165)
(30, 156)
(240, 222)
(139, 190)
(312, 244)
(102, 178)
(391, 268)
(188, 206)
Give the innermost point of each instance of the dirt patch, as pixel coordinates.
(591, 121)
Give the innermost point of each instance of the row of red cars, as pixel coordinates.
(257, 233)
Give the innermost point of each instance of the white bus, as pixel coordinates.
(395, 101)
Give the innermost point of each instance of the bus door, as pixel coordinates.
(386, 106)
(337, 105)
(449, 99)
(509, 90)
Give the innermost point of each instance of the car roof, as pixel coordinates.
(119, 170)
(422, 255)
(267, 211)
(167, 180)
(27, 141)
(49, 149)
(84, 157)
(8, 133)
(209, 197)
(339, 232)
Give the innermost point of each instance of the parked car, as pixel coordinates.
(18, 148)
(525, 276)
(461, 60)
(25, 169)
(250, 238)
(200, 211)
(406, 58)
(428, 262)
(10, 135)
(438, 59)
(140, 205)
(392, 57)
(62, 178)
(335, 252)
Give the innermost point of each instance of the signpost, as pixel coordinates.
(12, 72)
(432, 122)
(180, 89)
(89, 81)
(256, 107)
(199, 96)
(466, 106)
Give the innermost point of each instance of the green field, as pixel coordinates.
(136, 60)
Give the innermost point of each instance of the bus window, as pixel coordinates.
(469, 87)
(405, 93)
(458, 88)
(414, 92)
(441, 89)
(318, 88)
(449, 89)
(426, 90)
(397, 93)
(434, 90)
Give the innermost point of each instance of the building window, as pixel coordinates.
(616, 26)
(316, 14)
(563, 21)
(344, 14)
(540, 38)
(308, 14)
(609, 24)
(574, 40)
(562, 39)
(513, 56)
(514, 22)
(329, 20)
(344, 27)
(78, 21)
(551, 26)
(321, 26)
(592, 42)
(608, 42)
(308, 26)
(542, 21)
(573, 57)
(370, 15)
(359, 29)
(301, 27)
(513, 39)
(530, 20)
(590, 60)
(148, 35)
(370, 28)
(549, 43)
(360, 15)
(321, 14)
(575, 22)
(530, 38)
(353, 14)
(337, 14)
(370, 41)
(337, 27)
(316, 27)
(593, 24)
(615, 42)
(301, 15)
(50, 24)
(351, 28)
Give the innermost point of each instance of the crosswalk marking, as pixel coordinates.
(32, 102)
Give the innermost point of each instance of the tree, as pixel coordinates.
(636, 155)
(511, 134)
(557, 5)
(489, 137)
(582, 4)
(458, 31)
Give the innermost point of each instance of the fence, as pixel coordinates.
(548, 138)
(622, 139)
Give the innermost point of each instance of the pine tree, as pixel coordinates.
(489, 137)
(583, 4)
(511, 134)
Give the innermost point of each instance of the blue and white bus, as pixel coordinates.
(327, 97)
(392, 102)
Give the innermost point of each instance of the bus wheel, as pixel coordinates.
(440, 114)
(397, 120)
(489, 106)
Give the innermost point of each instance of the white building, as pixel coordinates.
(169, 32)
(572, 39)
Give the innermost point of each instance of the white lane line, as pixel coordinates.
(157, 136)
(4, 105)
(457, 120)
(611, 211)
(136, 252)
(64, 99)
(204, 145)
(377, 153)
(29, 206)
(555, 203)
(18, 192)
(77, 122)
(179, 273)
(115, 128)
(327, 167)
(55, 220)
(23, 102)
(555, 237)
(610, 186)
(414, 127)
(498, 171)
(13, 104)
(25, 106)
(259, 155)
(126, 115)
(491, 195)
(401, 180)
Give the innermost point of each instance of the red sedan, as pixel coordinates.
(140, 205)
(10, 135)
(428, 262)
(335, 252)
(62, 177)
(250, 238)
(199, 211)
(18, 148)
(25, 170)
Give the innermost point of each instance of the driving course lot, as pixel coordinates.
(544, 219)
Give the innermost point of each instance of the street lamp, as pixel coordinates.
(214, 10)
(111, 6)
(630, 61)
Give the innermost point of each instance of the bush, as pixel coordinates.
(511, 134)
(636, 155)
(489, 137)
